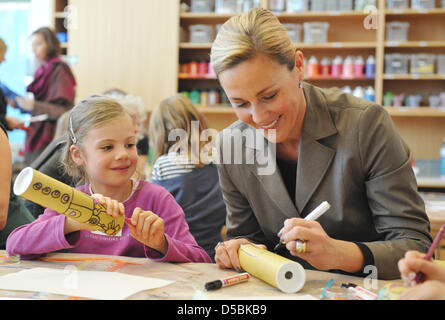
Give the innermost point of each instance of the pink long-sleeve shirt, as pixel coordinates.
(46, 234)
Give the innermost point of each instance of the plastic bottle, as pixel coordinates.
(346, 89)
(442, 160)
(359, 66)
(348, 68)
(325, 67)
(370, 94)
(337, 67)
(358, 92)
(195, 97)
(370, 68)
(312, 68)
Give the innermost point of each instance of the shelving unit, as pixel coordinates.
(59, 22)
(423, 128)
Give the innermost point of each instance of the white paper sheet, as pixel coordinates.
(77, 283)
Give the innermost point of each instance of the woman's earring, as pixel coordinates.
(301, 85)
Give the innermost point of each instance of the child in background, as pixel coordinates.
(101, 152)
(194, 185)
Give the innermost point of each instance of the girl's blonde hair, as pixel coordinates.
(176, 112)
(247, 35)
(91, 113)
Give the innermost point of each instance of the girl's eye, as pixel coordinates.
(107, 147)
(130, 145)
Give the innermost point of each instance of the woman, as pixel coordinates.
(330, 147)
(188, 176)
(53, 89)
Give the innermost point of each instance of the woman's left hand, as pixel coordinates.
(26, 104)
(321, 251)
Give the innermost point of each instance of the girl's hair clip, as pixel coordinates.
(72, 135)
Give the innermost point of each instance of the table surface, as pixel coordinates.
(189, 278)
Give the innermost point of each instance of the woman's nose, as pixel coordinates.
(260, 115)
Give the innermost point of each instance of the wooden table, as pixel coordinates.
(189, 278)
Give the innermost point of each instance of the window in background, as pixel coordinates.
(14, 23)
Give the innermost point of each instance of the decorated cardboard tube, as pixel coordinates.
(55, 195)
(287, 275)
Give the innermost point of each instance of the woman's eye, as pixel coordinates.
(270, 97)
(240, 105)
(107, 147)
(130, 145)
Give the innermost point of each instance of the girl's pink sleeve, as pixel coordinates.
(44, 235)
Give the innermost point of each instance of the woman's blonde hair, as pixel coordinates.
(91, 113)
(247, 35)
(176, 112)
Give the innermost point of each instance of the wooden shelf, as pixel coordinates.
(414, 76)
(414, 12)
(222, 109)
(338, 79)
(415, 112)
(415, 44)
(302, 45)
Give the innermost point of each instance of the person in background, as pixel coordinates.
(324, 145)
(193, 183)
(53, 90)
(13, 212)
(433, 288)
(101, 153)
(49, 161)
(10, 123)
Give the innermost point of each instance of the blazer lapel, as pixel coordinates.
(272, 184)
(314, 158)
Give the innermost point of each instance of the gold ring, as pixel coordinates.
(300, 246)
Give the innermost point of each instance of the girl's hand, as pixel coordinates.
(148, 228)
(414, 262)
(114, 208)
(322, 251)
(226, 253)
(428, 290)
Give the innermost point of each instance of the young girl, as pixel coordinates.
(101, 150)
(184, 174)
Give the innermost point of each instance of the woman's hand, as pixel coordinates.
(415, 262)
(322, 251)
(148, 228)
(26, 104)
(226, 253)
(13, 123)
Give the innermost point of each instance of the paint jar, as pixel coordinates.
(348, 68)
(325, 67)
(387, 99)
(204, 97)
(370, 67)
(359, 66)
(358, 92)
(312, 68)
(337, 67)
(193, 68)
(203, 68)
(195, 97)
(213, 97)
(370, 94)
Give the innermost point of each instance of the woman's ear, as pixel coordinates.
(76, 155)
(299, 64)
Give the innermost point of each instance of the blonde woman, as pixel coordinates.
(179, 167)
(330, 146)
